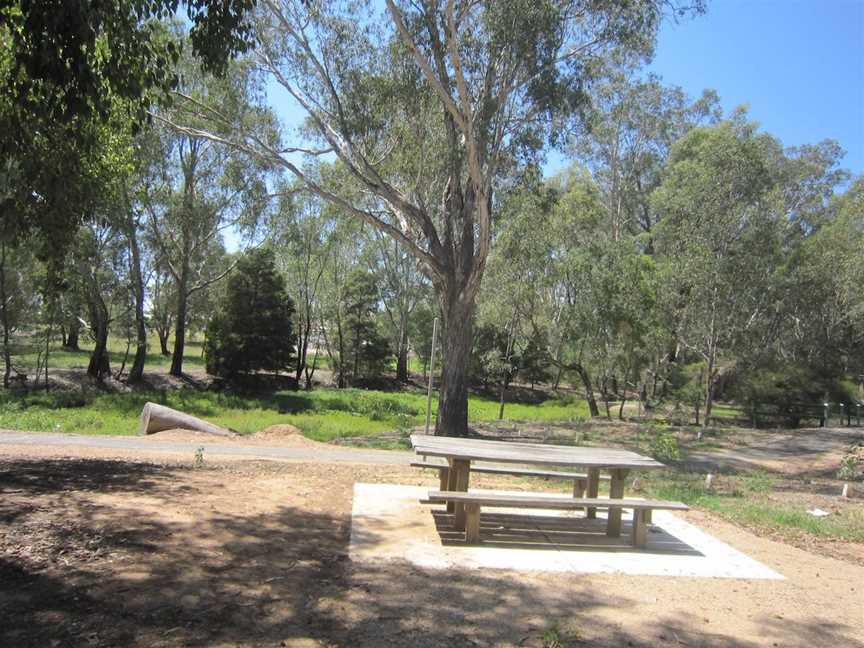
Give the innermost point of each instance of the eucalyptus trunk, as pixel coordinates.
(180, 323)
(136, 373)
(402, 355)
(162, 334)
(99, 365)
(4, 318)
(589, 390)
(456, 341)
(73, 333)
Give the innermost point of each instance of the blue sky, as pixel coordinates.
(797, 64)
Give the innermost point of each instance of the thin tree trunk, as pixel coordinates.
(310, 371)
(180, 324)
(589, 390)
(136, 372)
(340, 383)
(73, 335)
(709, 400)
(302, 349)
(162, 333)
(99, 365)
(402, 355)
(4, 318)
(504, 378)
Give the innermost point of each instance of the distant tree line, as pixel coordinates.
(684, 255)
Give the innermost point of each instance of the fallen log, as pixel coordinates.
(155, 418)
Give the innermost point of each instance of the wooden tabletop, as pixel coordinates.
(528, 453)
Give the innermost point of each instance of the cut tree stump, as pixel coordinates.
(155, 418)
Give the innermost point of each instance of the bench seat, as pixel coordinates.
(474, 501)
(508, 470)
(580, 480)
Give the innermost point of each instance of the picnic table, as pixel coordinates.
(460, 452)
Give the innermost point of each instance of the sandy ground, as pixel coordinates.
(100, 549)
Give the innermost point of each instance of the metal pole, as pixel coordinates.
(431, 373)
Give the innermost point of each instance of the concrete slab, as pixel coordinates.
(389, 523)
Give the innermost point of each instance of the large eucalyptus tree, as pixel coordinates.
(428, 107)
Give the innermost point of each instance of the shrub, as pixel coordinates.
(664, 447)
(850, 463)
(252, 328)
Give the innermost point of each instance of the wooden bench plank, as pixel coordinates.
(533, 501)
(470, 505)
(505, 470)
(532, 453)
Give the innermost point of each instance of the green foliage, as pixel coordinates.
(664, 446)
(851, 463)
(752, 507)
(323, 415)
(758, 482)
(252, 329)
(369, 352)
(535, 360)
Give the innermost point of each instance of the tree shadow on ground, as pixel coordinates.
(282, 577)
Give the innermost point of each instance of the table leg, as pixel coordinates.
(451, 485)
(460, 470)
(616, 491)
(443, 478)
(593, 488)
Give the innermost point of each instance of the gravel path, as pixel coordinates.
(317, 453)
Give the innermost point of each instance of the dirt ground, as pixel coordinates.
(98, 549)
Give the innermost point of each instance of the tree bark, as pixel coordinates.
(589, 390)
(163, 341)
(99, 365)
(456, 344)
(73, 333)
(136, 372)
(402, 355)
(180, 324)
(4, 318)
(709, 397)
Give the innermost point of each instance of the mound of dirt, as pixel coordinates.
(284, 434)
(278, 432)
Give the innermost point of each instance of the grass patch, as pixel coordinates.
(62, 358)
(322, 415)
(746, 499)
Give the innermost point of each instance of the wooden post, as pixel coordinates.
(472, 523)
(616, 491)
(593, 488)
(431, 372)
(443, 478)
(578, 488)
(460, 470)
(639, 532)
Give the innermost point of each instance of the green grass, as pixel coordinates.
(61, 358)
(323, 415)
(746, 500)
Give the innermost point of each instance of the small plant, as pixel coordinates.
(198, 462)
(403, 425)
(664, 447)
(557, 637)
(850, 464)
(758, 482)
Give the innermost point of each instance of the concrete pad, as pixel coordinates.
(389, 522)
